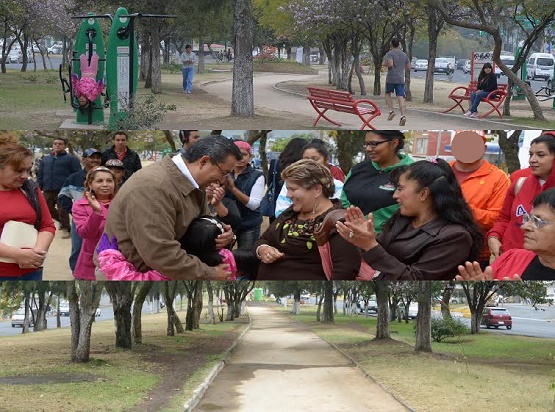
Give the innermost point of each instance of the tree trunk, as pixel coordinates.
(306, 54)
(446, 298)
(382, 300)
(200, 66)
(424, 317)
(137, 310)
(242, 100)
(510, 148)
(122, 299)
(197, 305)
(156, 72)
(211, 318)
(83, 305)
(377, 79)
(435, 24)
(327, 315)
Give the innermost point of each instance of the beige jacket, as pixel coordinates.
(149, 215)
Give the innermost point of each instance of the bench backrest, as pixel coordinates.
(339, 96)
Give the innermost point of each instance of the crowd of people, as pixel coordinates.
(198, 213)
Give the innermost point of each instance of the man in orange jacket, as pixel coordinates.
(484, 185)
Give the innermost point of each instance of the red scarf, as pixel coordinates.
(122, 154)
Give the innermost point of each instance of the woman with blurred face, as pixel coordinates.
(288, 250)
(368, 184)
(22, 201)
(506, 233)
(537, 260)
(245, 186)
(89, 215)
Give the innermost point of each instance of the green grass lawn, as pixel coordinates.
(114, 379)
(486, 371)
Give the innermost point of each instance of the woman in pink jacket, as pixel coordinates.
(89, 215)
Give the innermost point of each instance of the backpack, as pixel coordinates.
(30, 190)
(268, 202)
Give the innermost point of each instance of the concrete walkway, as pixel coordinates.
(280, 365)
(270, 91)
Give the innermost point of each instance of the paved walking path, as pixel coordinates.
(280, 365)
(271, 91)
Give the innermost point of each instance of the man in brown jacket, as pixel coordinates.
(154, 208)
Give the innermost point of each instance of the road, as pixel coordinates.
(460, 77)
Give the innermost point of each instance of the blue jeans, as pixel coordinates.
(246, 238)
(475, 99)
(36, 275)
(188, 79)
(76, 243)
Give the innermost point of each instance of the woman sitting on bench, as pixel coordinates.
(487, 83)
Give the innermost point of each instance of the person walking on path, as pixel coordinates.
(278, 356)
(396, 61)
(53, 171)
(120, 150)
(188, 59)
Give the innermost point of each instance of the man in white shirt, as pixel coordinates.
(188, 58)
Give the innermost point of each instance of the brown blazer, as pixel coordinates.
(149, 215)
(430, 252)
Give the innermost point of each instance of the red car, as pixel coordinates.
(496, 317)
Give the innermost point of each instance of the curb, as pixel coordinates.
(368, 375)
(198, 393)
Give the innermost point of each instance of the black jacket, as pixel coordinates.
(131, 161)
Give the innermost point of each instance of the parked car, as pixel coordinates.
(15, 56)
(55, 49)
(420, 64)
(372, 306)
(443, 65)
(18, 318)
(460, 64)
(467, 66)
(98, 312)
(508, 61)
(494, 316)
(64, 309)
(540, 65)
(413, 310)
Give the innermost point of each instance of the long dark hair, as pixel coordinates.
(200, 239)
(447, 198)
(292, 152)
(483, 72)
(319, 146)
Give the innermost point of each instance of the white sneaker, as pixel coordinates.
(467, 114)
(475, 114)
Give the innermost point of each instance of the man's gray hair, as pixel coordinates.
(217, 147)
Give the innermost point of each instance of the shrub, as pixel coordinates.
(144, 113)
(445, 328)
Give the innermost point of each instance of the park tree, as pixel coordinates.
(141, 292)
(508, 141)
(122, 299)
(193, 290)
(424, 317)
(236, 292)
(382, 300)
(446, 299)
(487, 16)
(173, 323)
(327, 314)
(242, 95)
(349, 144)
(83, 298)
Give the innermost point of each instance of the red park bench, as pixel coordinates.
(342, 101)
(494, 99)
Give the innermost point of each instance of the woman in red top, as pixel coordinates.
(22, 201)
(506, 233)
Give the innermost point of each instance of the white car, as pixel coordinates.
(508, 61)
(55, 49)
(420, 64)
(15, 56)
(18, 318)
(467, 66)
(64, 309)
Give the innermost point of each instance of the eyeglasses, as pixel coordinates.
(223, 172)
(537, 223)
(374, 144)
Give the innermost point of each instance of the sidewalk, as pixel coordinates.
(286, 93)
(280, 365)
